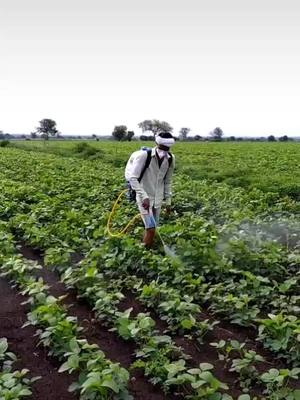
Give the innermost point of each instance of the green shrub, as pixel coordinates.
(85, 150)
(4, 143)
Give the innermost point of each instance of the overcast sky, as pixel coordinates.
(94, 64)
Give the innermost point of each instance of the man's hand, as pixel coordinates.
(146, 204)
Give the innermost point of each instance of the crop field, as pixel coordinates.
(87, 316)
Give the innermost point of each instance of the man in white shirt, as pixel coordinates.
(149, 173)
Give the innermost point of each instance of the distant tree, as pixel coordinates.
(183, 133)
(146, 125)
(155, 126)
(216, 134)
(2, 135)
(120, 132)
(283, 138)
(33, 135)
(23, 136)
(271, 138)
(231, 138)
(47, 127)
(197, 137)
(94, 136)
(130, 135)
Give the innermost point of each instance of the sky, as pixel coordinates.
(94, 64)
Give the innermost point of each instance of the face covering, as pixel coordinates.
(161, 153)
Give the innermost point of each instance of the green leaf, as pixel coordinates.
(64, 367)
(74, 346)
(71, 364)
(9, 383)
(111, 384)
(207, 376)
(162, 339)
(187, 324)
(73, 387)
(206, 366)
(175, 367)
(3, 345)
(197, 384)
(244, 397)
(25, 392)
(94, 380)
(215, 396)
(194, 371)
(296, 394)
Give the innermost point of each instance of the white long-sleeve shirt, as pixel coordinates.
(156, 182)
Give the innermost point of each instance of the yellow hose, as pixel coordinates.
(109, 221)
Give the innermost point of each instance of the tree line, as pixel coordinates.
(154, 127)
(48, 128)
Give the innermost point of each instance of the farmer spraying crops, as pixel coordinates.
(149, 175)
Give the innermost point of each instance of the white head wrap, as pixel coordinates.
(168, 142)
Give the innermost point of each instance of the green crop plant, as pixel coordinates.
(277, 384)
(245, 366)
(139, 328)
(281, 334)
(14, 384)
(226, 348)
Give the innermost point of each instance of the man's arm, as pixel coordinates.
(135, 173)
(168, 183)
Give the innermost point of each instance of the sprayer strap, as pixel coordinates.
(147, 163)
